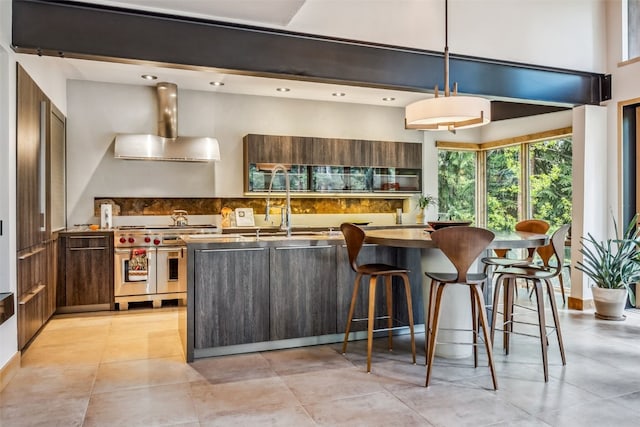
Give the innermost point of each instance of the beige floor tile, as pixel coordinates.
(153, 345)
(38, 384)
(235, 368)
(286, 417)
(143, 373)
(379, 409)
(305, 359)
(64, 355)
(54, 412)
(459, 404)
(160, 405)
(212, 400)
(327, 385)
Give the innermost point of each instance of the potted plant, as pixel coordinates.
(423, 201)
(613, 265)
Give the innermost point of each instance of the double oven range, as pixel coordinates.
(151, 264)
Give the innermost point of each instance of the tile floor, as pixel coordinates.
(126, 369)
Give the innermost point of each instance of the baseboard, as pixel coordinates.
(9, 370)
(579, 304)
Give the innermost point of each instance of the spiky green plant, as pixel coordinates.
(613, 263)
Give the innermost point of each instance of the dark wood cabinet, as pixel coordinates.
(303, 291)
(32, 292)
(40, 189)
(30, 152)
(300, 150)
(231, 296)
(52, 277)
(402, 159)
(88, 268)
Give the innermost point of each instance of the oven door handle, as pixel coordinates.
(172, 249)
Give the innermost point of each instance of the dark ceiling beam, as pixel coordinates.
(81, 30)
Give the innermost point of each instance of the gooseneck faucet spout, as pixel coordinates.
(285, 223)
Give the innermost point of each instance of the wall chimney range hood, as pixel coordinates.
(167, 145)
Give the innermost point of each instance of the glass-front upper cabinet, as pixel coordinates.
(396, 179)
(259, 179)
(337, 179)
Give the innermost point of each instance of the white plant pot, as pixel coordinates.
(609, 303)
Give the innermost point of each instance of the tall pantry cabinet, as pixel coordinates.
(40, 204)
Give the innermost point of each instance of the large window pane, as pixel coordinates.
(457, 184)
(550, 181)
(503, 188)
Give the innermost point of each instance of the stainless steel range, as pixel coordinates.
(151, 264)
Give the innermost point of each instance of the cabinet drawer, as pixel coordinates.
(101, 242)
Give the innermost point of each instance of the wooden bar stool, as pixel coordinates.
(500, 260)
(462, 246)
(354, 237)
(507, 278)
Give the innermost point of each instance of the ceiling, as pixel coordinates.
(276, 14)
(266, 13)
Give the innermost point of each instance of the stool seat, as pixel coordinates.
(453, 277)
(380, 269)
(354, 237)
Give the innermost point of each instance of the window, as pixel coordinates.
(518, 180)
(503, 188)
(550, 181)
(633, 29)
(457, 184)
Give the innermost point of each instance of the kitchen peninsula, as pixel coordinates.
(250, 293)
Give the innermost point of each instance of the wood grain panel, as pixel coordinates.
(231, 297)
(28, 171)
(303, 292)
(88, 269)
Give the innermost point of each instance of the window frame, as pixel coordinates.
(524, 142)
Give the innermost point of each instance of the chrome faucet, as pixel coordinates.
(285, 223)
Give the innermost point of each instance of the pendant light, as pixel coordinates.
(448, 112)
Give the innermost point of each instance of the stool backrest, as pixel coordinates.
(538, 226)
(557, 247)
(462, 245)
(354, 237)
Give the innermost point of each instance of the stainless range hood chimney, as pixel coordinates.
(167, 145)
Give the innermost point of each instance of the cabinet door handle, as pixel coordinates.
(91, 248)
(30, 254)
(230, 250)
(30, 295)
(287, 248)
(88, 237)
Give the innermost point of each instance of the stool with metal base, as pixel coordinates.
(462, 246)
(507, 278)
(354, 237)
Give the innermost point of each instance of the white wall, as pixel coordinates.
(558, 33)
(53, 83)
(97, 111)
(9, 329)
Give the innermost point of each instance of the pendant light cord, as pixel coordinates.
(446, 48)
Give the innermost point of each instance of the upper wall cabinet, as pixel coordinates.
(301, 150)
(321, 165)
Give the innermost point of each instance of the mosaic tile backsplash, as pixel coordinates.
(134, 206)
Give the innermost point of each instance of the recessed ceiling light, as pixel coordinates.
(338, 94)
(148, 77)
(216, 83)
(388, 98)
(283, 89)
